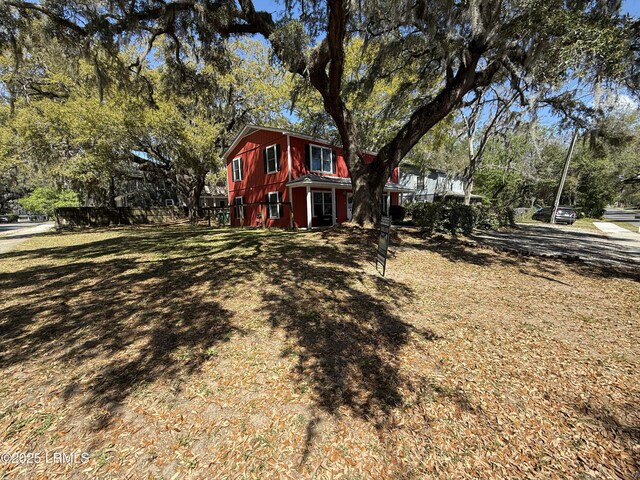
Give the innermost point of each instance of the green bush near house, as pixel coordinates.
(458, 218)
(425, 215)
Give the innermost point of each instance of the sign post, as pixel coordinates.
(383, 243)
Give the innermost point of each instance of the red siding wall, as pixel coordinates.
(255, 183)
(300, 207)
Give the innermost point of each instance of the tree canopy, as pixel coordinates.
(386, 72)
(66, 126)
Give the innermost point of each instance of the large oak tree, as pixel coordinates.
(444, 48)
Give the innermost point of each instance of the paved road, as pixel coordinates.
(591, 246)
(622, 215)
(11, 238)
(6, 228)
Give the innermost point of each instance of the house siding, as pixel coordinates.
(256, 183)
(436, 185)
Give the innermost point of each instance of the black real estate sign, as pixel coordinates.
(383, 243)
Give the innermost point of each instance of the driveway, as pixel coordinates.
(617, 249)
(14, 234)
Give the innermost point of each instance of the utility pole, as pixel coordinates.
(564, 177)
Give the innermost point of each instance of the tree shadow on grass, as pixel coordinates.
(146, 305)
(346, 327)
(603, 418)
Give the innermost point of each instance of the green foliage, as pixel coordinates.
(455, 218)
(458, 218)
(46, 200)
(597, 187)
(425, 215)
(76, 133)
(492, 217)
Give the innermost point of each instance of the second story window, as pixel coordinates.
(320, 159)
(272, 159)
(236, 169)
(420, 182)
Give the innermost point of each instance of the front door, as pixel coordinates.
(349, 206)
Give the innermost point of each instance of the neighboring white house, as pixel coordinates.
(214, 197)
(431, 185)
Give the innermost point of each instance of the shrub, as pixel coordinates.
(425, 215)
(506, 216)
(458, 218)
(491, 218)
(397, 213)
(486, 218)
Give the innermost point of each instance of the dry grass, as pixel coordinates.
(202, 353)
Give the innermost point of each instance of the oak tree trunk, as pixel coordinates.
(112, 192)
(190, 186)
(367, 198)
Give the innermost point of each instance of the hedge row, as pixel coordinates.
(458, 218)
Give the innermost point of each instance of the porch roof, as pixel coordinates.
(320, 181)
(456, 195)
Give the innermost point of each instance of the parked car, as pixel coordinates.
(563, 215)
(4, 219)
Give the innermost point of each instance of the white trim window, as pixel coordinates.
(236, 170)
(322, 204)
(274, 204)
(321, 159)
(239, 208)
(272, 158)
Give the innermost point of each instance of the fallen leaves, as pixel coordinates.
(291, 358)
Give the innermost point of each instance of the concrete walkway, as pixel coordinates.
(608, 227)
(11, 240)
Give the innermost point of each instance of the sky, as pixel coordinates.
(632, 7)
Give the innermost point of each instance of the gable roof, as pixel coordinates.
(249, 129)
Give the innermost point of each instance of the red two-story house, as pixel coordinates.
(279, 178)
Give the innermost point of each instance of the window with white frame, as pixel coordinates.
(236, 169)
(274, 202)
(239, 207)
(271, 158)
(321, 159)
(322, 205)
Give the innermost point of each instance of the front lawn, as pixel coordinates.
(188, 352)
(585, 223)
